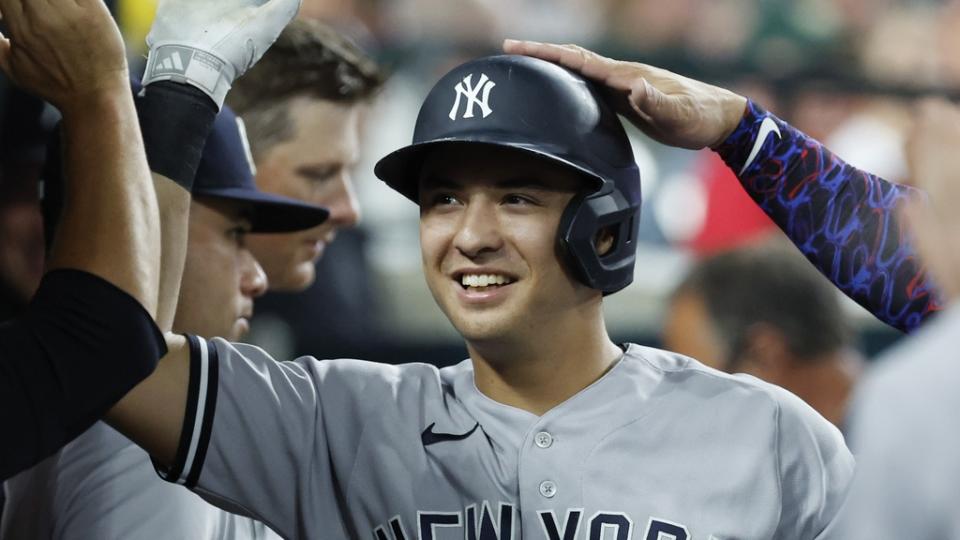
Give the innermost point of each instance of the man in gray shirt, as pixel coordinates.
(903, 423)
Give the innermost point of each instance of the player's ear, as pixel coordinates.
(765, 353)
(604, 240)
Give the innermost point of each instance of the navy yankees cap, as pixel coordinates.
(226, 172)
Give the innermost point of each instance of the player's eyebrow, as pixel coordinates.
(325, 168)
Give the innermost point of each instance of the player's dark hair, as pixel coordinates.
(308, 59)
(771, 284)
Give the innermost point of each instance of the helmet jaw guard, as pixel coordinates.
(541, 109)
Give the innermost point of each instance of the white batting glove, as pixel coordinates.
(209, 43)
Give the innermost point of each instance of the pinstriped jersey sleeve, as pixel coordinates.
(844, 220)
(273, 440)
(198, 418)
(253, 442)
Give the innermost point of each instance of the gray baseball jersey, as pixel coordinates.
(903, 428)
(661, 447)
(103, 486)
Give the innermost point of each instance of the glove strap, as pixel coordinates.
(185, 64)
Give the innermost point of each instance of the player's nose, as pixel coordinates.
(253, 281)
(343, 206)
(478, 229)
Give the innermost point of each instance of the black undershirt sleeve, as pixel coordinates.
(81, 345)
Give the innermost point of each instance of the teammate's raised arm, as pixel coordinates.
(197, 50)
(71, 54)
(88, 335)
(850, 230)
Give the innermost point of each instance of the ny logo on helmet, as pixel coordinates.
(465, 88)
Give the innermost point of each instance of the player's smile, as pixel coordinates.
(482, 286)
(482, 283)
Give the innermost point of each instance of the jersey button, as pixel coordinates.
(543, 439)
(548, 489)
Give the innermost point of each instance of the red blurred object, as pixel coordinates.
(732, 218)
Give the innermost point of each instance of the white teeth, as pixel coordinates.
(483, 280)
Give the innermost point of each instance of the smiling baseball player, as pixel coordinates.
(529, 199)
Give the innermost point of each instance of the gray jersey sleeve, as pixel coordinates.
(816, 471)
(264, 438)
(101, 485)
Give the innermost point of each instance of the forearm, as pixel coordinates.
(151, 415)
(845, 221)
(174, 203)
(175, 120)
(175, 126)
(110, 225)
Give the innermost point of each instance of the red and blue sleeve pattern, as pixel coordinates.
(844, 220)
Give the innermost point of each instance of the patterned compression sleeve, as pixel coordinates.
(844, 220)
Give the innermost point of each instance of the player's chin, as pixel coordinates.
(298, 276)
(482, 317)
(241, 327)
(478, 328)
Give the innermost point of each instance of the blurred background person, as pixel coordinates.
(903, 422)
(303, 105)
(764, 310)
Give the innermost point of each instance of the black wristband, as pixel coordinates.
(175, 120)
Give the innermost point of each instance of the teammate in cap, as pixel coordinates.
(101, 485)
(529, 199)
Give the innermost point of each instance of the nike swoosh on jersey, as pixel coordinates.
(766, 127)
(431, 437)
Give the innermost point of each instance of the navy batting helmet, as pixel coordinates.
(542, 109)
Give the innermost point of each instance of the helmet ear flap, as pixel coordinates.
(586, 217)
